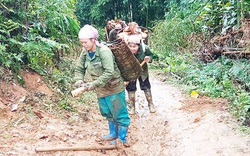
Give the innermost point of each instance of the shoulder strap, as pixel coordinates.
(143, 46)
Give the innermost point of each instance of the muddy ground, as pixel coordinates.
(182, 125)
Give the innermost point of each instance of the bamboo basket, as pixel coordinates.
(127, 63)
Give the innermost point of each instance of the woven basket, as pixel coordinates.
(127, 63)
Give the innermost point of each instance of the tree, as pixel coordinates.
(33, 32)
(143, 12)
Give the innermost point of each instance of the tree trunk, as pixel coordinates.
(131, 11)
(238, 12)
(147, 14)
(242, 10)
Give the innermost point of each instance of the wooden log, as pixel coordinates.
(233, 33)
(236, 52)
(106, 32)
(78, 91)
(87, 148)
(233, 49)
(221, 50)
(143, 62)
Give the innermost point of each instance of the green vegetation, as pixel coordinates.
(141, 11)
(33, 34)
(40, 34)
(178, 43)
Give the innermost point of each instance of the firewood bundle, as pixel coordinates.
(234, 44)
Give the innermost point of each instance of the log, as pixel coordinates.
(78, 91)
(87, 148)
(143, 62)
(236, 52)
(233, 33)
(106, 32)
(119, 147)
(233, 49)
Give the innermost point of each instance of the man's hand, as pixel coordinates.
(78, 91)
(85, 87)
(147, 58)
(78, 83)
(89, 86)
(126, 83)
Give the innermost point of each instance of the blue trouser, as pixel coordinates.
(114, 108)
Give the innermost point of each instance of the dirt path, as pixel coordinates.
(182, 126)
(185, 126)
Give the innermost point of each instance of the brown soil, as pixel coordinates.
(181, 126)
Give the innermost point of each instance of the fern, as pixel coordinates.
(236, 70)
(51, 43)
(7, 27)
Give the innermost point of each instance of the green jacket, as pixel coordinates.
(140, 55)
(103, 70)
(112, 35)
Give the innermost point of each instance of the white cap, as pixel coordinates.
(118, 26)
(88, 32)
(134, 39)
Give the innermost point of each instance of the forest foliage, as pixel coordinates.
(33, 33)
(182, 38)
(37, 34)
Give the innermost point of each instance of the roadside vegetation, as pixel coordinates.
(180, 41)
(43, 37)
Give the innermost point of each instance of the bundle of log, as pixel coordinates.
(131, 28)
(235, 44)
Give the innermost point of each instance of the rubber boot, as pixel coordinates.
(122, 133)
(148, 95)
(113, 132)
(131, 103)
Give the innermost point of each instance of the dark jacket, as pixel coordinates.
(113, 35)
(140, 55)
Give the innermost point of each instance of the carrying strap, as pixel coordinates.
(143, 45)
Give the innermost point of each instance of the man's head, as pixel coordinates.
(134, 43)
(88, 32)
(118, 27)
(88, 37)
(134, 39)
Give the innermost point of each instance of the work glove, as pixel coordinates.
(78, 83)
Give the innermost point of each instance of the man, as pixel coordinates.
(113, 33)
(98, 60)
(142, 53)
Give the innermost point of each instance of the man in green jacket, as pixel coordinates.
(98, 60)
(142, 53)
(113, 33)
